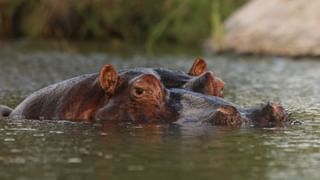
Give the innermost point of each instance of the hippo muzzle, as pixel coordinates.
(199, 108)
(267, 115)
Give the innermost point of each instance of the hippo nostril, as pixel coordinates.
(267, 108)
(277, 108)
(273, 115)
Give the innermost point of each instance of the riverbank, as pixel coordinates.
(145, 23)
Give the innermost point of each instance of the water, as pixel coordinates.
(65, 150)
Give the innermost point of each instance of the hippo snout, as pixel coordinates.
(269, 115)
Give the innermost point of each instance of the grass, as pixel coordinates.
(143, 22)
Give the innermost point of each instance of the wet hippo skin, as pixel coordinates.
(139, 98)
(198, 79)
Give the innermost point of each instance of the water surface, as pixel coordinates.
(65, 150)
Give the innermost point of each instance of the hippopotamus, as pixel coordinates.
(143, 98)
(147, 101)
(198, 79)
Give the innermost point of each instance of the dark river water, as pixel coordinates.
(31, 149)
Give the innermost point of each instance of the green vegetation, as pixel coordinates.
(144, 22)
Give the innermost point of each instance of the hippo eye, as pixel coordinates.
(139, 91)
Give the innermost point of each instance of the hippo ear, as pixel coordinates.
(108, 79)
(199, 66)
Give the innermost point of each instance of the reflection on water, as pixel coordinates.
(66, 150)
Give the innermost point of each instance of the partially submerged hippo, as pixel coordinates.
(146, 100)
(198, 79)
(141, 98)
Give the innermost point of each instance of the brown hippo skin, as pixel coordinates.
(70, 97)
(143, 99)
(199, 79)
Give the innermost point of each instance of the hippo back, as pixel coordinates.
(51, 101)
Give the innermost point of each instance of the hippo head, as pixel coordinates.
(194, 107)
(138, 100)
(144, 99)
(199, 79)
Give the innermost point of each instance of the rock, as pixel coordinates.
(278, 27)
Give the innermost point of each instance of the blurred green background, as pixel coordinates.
(147, 23)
